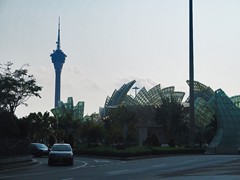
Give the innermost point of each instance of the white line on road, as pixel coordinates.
(118, 172)
(84, 164)
(44, 172)
(101, 161)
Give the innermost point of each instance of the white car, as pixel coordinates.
(60, 153)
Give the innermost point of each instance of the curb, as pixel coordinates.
(18, 165)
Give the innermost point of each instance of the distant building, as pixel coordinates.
(63, 108)
(209, 105)
(144, 99)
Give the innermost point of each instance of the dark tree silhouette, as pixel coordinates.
(16, 87)
(120, 125)
(8, 127)
(170, 115)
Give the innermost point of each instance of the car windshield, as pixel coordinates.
(61, 148)
(41, 145)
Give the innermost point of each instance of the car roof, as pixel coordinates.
(38, 143)
(62, 144)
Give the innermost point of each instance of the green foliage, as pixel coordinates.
(211, 129)
(70, 139)
(40, 126)
(12, 127)
(136, 151)
(67, 126)
(23, 127)
(51, 140)
(120, 125)
(8, 128)
(152, 141)
(170, 115)
(92, 131)
(16, 87)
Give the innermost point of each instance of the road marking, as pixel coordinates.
(44, 172)
(84, 164)
(118, 172)
(67, 179)
(159, 165)
(101, 161)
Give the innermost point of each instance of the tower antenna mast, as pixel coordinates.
(58, 40)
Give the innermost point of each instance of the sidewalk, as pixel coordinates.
(16, 161)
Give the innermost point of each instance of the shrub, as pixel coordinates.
(8, 128)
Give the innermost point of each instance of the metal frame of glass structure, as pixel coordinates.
(63, 108)
(227, 138)
(208, 104)
(153, 97)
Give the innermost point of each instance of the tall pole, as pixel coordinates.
(191, 77)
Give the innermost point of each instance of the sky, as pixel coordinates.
(112, 42)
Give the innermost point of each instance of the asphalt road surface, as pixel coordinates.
(172, 167)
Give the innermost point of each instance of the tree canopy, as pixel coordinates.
(170, 115)
(16, 87)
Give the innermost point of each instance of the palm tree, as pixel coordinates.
(120, 124)
(170, 115)
(40, 126)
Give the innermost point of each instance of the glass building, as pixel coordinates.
(63, 108)
(209, 104)
(143, 100)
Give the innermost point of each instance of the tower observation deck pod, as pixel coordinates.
(58, 59)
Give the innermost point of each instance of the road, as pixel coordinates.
(172, 167)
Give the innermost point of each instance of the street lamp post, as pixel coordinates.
(191, 77)
(135, 88)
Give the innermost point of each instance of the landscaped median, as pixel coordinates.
(9, 162)
(135, 151)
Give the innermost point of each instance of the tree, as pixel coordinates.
(170, 115)
(16, 87)
(8, 127)
(67, 127)
(92, 132)
(211, 129)
(41, 126)
(120, 125)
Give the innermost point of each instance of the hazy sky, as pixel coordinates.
(111, 42)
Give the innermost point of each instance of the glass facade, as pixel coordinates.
(208, 105)
(227, 138)
(63, 108)
(153, 97)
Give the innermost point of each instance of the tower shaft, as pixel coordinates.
(58, 59)
(57, 86)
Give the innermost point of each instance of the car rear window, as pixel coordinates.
(41, 145)
(61, 148)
